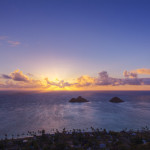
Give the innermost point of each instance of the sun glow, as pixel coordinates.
(18, 80)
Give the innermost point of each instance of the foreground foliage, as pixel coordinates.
(95, 139)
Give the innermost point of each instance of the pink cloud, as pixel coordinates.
(13, 43)
(3, 37)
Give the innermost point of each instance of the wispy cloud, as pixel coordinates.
(14, 43)
(6, 40)
(135, 73)
(3, 37)
(143, 71)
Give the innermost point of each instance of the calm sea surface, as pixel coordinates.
(23, 112)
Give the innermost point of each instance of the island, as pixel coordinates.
(116, 100)
(78, 100)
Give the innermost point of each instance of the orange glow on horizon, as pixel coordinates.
(17, 80)
(96, 88)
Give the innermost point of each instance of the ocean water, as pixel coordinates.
(23, 112)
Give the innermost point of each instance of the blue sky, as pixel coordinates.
(70, 38)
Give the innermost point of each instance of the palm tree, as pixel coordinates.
(5, 136)
(18, 135)
(12, 136)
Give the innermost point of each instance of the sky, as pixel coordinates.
(74, 44)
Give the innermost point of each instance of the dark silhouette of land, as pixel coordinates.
(116, 100)
(78, 100)
(76, 139)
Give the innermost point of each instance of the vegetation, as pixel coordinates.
(76, 139)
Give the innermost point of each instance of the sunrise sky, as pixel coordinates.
(74, 45)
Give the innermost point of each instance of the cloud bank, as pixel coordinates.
(17, 79)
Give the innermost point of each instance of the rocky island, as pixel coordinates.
(116, 100)
(78, 100)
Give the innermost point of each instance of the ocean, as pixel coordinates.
(21, 112)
